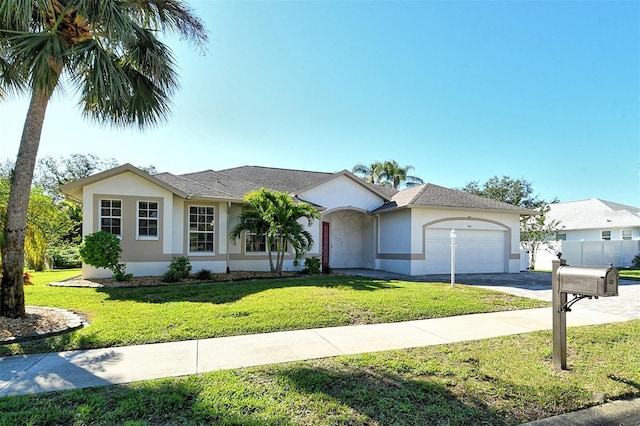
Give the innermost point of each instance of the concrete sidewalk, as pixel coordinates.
(99, 367)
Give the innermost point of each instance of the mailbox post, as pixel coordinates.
(583, 282)
(559, 318)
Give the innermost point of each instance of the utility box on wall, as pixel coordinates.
(598, 281)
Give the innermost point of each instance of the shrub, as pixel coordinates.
(179, 268)
(101, 250)
(636, 261)
(66, 256)
(203, 274)
(119, 274)
(312, 265)
(171, 277)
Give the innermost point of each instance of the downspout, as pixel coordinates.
(228, 219)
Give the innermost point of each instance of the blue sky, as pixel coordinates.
(461, 90)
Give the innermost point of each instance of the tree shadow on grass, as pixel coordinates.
(227, 292)
(393, 399)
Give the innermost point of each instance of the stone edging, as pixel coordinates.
(74, 322)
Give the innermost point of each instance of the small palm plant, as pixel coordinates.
(277, 217)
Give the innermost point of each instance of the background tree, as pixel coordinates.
(371, 173)
(51, 173)
(46, 224)
(518, 192)
(110, 54)
(388, 173)
(276, 216)
(535, 230)
(6, 169)
(397, 175)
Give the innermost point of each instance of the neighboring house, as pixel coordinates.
(594, 232)
(159, 217)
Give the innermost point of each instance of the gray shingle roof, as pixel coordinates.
(284, 180)
(232, 184)
(430, 195)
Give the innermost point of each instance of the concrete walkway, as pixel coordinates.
(98, 367)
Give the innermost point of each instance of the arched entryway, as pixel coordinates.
(348, 239)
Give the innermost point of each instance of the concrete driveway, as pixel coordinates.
(534, 285)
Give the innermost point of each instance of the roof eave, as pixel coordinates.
(74, 189)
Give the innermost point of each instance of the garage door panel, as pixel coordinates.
(476, 251)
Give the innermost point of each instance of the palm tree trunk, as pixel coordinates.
(12, 303)
(268, 244)
(280, 261)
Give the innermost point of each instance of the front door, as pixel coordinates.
(325, 245)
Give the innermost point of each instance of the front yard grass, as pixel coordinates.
(630, 273)
(501, 381)
(127, 316)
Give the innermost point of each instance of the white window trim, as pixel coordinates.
(121, 217)
(157, 219)
(602, 235)
(630, 231)
(200, 253)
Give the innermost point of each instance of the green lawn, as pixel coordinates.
(501, 381)
(630, 273)
(125, 316)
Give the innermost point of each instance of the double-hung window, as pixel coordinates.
(147, 219)
(606, 235)
(111, 216)
(201, 229)
(626, 234)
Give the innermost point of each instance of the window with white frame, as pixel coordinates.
(606, 235)
(147, 219)
(626, 234)
(201, 229)
(111, 216)
(561, 237)
(257, 243)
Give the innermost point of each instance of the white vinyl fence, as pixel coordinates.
(598, 253)
(618, 252)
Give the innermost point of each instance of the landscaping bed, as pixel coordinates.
(149, 281)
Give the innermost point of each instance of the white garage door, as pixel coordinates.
(476, 252)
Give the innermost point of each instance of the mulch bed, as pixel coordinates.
(157, 281)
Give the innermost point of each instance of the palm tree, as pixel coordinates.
(107, 51)
(371, 173)
(276, 216)
(397, 175)
(388, 173)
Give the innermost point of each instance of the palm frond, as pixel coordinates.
(20, 15)
(173, 15)
(41, 55)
